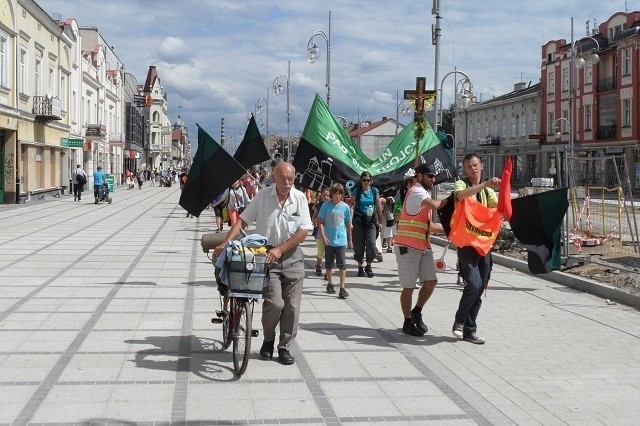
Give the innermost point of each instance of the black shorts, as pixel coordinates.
(218, 210)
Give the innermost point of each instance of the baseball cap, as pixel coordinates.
(426, 169)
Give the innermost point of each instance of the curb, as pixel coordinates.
(573, 281)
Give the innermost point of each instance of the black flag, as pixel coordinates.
(252, 149)
(536, 222)
(213, 170)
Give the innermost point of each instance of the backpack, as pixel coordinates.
(81, 178)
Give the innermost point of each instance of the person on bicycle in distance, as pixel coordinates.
(281, 214)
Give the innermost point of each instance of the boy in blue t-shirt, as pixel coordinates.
(334, 227)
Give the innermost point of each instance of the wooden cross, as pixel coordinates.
(420, 95)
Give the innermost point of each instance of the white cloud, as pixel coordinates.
(173, 50)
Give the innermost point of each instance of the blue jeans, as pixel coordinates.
(475, 270)
(97, 192)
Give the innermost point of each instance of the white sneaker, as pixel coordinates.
(457, 330)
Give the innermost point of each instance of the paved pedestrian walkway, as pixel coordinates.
(105, 318)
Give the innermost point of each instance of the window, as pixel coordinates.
(38, 77)
(551, 125)
(565, 122)
(23, 78)
(51, 89)
(587, 117)
(588, 71)
(4, 67)
(551, 83)
(504, 127)
(513, 126)
(565, 79)
(534, 121)
(522, 125)
(626, 61)
(63, 92)
(626, 112)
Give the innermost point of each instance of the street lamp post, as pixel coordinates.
(363, 121)
(277, 89)
(258, 110)
(464, 95)
(343, 121)
(403, 108)
(314, 54)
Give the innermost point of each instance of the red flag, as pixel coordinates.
(504, 200)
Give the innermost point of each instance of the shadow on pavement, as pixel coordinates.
(204, 358)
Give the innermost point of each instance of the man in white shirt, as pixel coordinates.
(281, 215)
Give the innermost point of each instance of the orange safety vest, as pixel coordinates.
(413, 230)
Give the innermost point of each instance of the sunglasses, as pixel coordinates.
(366, 180)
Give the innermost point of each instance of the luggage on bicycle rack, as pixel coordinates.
(247, 273)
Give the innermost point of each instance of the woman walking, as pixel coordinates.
(366, 221)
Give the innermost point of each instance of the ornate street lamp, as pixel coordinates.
(259, 107)
(314, 54)
(277, 89)
(463, 100)
(403, 108)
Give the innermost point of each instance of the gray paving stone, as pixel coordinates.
(111, 323)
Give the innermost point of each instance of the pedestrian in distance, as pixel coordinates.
(98, 180)
(413, 249)
(79, 180)
(389, 228)
(238, 200)
(140, 178)
(218, 204)
(334, 227)
(475, 268)
(281, 214)
(322, 197)
(366, 222)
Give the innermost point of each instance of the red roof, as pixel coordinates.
(372, 125)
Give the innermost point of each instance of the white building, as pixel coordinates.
(158, 138)
(373, 137)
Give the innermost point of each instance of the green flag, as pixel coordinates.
(327, 154)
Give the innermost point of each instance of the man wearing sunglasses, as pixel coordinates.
(413, 250)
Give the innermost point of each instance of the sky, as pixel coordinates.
(218, 58)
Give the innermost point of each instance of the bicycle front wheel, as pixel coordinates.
(241, 334)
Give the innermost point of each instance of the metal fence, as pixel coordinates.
(601, 224)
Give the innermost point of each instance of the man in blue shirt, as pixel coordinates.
(98, 180)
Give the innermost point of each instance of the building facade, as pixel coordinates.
(158, 135)
(35, 65)
(374, 136)
(505, 125)
(589, 94)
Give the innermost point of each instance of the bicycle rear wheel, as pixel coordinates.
(241, 334)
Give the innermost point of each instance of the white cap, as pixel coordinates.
(409, 174)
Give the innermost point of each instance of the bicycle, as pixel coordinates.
(247, 274)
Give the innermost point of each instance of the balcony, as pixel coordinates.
(47, 109)
(606, 84)
(606, 132)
